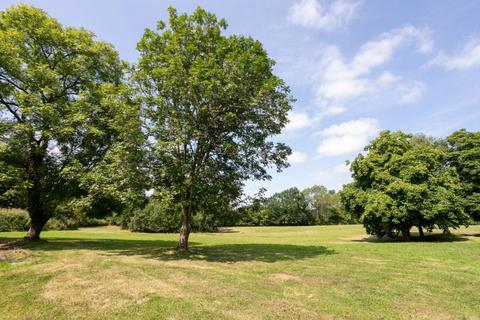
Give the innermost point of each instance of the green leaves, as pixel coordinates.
(212, 102)
(404, 181)
(464, 156)
(68, 119)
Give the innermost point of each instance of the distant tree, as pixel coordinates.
(403, 181)
(325, 205)
(464, 155)
(288, 207)
(67, 127)
(212, 101)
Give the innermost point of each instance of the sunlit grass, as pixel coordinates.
(244, 273)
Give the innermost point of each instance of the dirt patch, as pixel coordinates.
(13, 255)
(283, 277)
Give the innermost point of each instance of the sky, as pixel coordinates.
(355, 67)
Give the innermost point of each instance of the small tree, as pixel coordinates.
(211, 102)
(403, 181)
(65, 117)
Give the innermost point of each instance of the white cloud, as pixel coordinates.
(333, 178)
(336, 80)
(297, 121)
(342, 168)
(319, 15)
(297, 157)
(468, 57)
(347, 137)
(412, 93)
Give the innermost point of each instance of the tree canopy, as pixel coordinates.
(403, 181)
(66, 119)
(212, 102)
(465, 157)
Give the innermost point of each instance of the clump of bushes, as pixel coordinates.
(13, 220)
(159, 215)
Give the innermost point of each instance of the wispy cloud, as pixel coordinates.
(323, 15)
(347, 137)
(334, 177)
(411, 94)
(298, 121)
(336, 80)
(297, 157)
(468, 57)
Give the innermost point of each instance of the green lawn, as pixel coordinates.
(321, 272)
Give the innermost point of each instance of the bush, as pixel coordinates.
(14, 220)
(61, 223)
(157, 216)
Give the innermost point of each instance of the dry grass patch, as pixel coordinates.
(105, 288)
(283, 277)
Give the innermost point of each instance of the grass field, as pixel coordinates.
(320, 272)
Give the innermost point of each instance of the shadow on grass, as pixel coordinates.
(163, 250)
(416, 238)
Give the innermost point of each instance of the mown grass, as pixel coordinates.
(320, 272)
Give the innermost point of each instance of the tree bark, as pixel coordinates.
(420, 232)
(185, 227)
(36, 226)
(38, 218)
(406, 234)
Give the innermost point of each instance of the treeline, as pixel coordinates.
(313, 206)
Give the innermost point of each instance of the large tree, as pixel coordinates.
(464, 155)
(65, 117)
(404, 181)
(212, 101)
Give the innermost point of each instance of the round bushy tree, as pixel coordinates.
(403, 181)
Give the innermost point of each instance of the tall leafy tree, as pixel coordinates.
(401, 182)
(65, 117)
(212, 101)
(465, 157)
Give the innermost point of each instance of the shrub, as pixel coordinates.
(61, 223)
(157, 216)
(13, 220)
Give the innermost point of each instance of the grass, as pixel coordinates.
(320, 272)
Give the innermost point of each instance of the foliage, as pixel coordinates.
(67, 122)
(288, 207)
(159, 215)
(325, 206)
(465, 157)
(315, 205)
(403, 182)
(212, 101)
(13, 220)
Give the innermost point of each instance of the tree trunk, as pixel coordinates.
(420, 232)
(38, 218)
(185, 228)
(406, 234)
(36, 226)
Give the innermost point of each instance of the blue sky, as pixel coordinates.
(355, 67)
